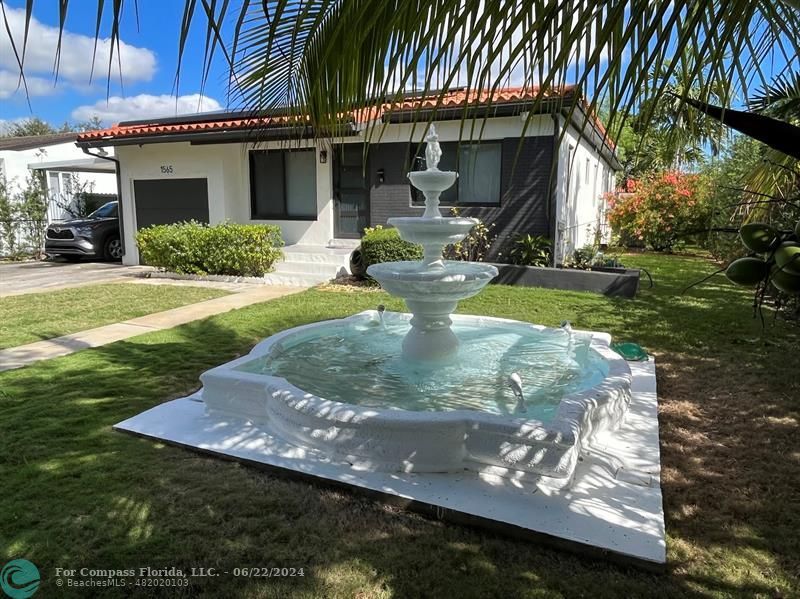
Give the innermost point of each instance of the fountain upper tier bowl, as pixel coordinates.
(433, 180)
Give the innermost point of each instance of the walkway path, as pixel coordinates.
(17, 357)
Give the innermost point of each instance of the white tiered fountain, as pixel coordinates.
(432, 288)
(471, 415)
(430, 391)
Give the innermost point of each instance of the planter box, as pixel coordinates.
(610, 281)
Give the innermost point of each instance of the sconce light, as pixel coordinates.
(323, 156)
(381, 175)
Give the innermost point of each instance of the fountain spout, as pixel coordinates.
(515, 382)
(432, 182)
(433, 151)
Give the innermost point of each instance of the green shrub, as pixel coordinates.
(531, 250)
(227, 249)
(475, 246)
(385, 245)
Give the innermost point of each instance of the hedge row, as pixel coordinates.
(385, 245)
(198, 249)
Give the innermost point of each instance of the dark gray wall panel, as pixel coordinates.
(526, 189)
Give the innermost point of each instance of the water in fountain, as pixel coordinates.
(367, 355)
(433, 287)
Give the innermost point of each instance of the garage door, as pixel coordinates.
(166, 201)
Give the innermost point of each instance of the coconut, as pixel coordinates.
(747, 271)
(786, 282)
(759, 237)
(787, 257)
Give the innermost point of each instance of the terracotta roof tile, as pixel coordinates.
(456, 98)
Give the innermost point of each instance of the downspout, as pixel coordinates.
(119, 194)
(553, 204)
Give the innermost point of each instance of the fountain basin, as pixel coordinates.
(386, 437)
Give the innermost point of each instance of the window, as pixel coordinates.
(479, 169)
(60, 186)
(283, 184)
(108, 210)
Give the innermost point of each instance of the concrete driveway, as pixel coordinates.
(31, 277)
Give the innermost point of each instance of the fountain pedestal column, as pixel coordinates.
(433, 287)
(430, 337)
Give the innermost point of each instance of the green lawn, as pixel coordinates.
(77, 494)
(36, 316)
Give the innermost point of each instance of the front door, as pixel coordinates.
(350, 191)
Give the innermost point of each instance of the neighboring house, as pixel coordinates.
(63, 166)
(213, 167)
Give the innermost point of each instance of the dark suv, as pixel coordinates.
(96, 235)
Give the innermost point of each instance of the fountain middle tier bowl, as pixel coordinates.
(437, 231)
(411, 281)
(341, 389)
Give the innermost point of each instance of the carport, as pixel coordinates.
(55, 171)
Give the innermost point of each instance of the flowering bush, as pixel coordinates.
(658, 209)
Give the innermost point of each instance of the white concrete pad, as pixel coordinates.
(613, 508)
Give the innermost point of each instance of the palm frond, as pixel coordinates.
(320, 60)
(780, 99)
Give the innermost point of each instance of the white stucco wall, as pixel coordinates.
(15, 168)
(227, 170)
(583, 176)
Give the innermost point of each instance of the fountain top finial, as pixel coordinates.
(433, 151)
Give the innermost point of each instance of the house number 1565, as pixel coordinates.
(166, 169)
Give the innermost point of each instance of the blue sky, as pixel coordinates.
(149, 59)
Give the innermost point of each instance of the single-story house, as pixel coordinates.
(323, 192)
(63, 165)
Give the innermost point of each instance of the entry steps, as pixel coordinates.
(309, 265)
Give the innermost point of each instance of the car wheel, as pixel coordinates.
(113, 249)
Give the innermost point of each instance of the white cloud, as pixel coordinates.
(75, 65)
(118, 109)
(10, 85)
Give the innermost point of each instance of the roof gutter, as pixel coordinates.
(602, 147)
(552, 206)
(544, 106)
(215, 137)
(119, 191)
